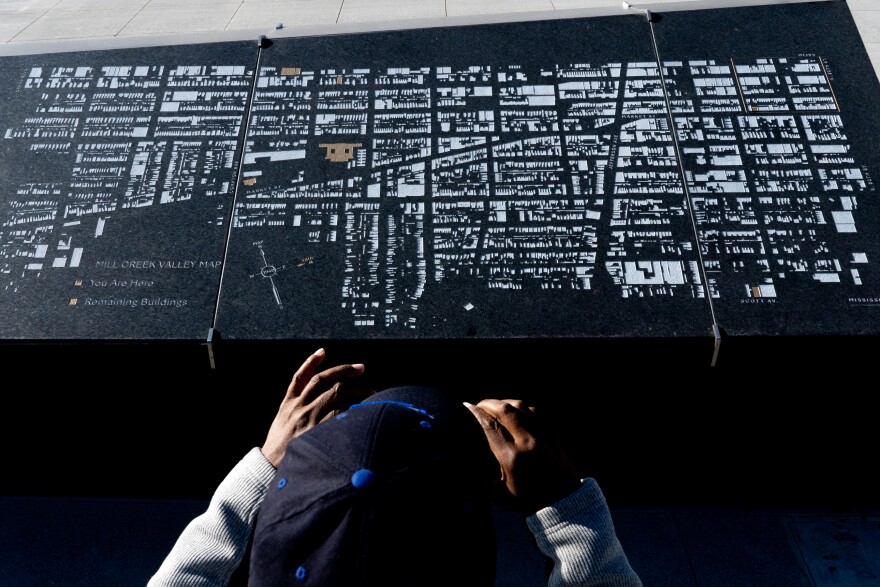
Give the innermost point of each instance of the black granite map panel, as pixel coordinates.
(118, 176)
(520, 180)
(776, 119)
(490, 181)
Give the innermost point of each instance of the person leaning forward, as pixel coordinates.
(354, 487)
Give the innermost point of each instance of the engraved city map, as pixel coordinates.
(287, 192)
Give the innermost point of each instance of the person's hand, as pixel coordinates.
(311, 399)
(535, 469)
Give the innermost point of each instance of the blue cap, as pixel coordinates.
(373, 499)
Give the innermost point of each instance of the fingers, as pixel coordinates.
(340, 398)
(490, 425)
(302, 380)
(501, 442)
(512, 415)
(304, 373)
(325, 391)
(497, 437)
(329, 380)
(332, 391)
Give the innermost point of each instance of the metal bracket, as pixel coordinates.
(210, 344)
(628, 6)
(717, 332)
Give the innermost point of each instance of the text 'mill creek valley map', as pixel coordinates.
(603, 176)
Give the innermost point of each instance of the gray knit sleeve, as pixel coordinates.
(211, 547)
(578, 535)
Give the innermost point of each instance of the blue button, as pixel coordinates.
(425, 424)
(282, 482)
(300, 574)
(362, 478)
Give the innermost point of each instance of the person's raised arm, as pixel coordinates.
(568, 516)
(212, 546)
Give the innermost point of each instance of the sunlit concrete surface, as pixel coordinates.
(26, 21)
